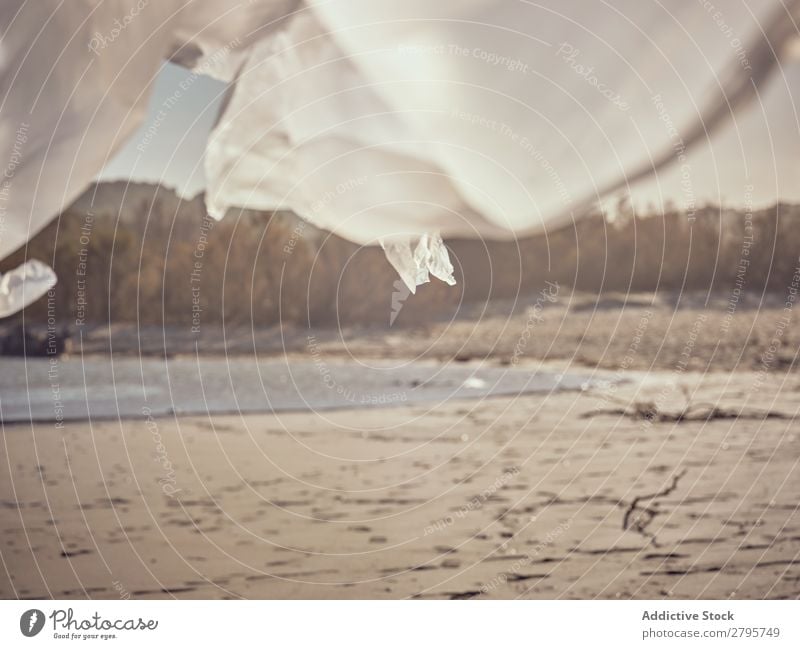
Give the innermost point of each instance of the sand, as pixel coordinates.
(542, 496)
(580, 329)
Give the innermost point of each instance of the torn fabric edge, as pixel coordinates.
(428, 257)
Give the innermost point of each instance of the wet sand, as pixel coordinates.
(592, 494)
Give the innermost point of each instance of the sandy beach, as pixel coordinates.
(665, 485)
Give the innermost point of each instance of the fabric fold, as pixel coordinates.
(397, 124)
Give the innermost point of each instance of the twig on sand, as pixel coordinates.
(640, 522)
(649, 411)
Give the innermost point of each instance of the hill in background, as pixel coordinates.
(138, 252)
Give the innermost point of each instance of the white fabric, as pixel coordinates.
(389, 122)
(416, 260)
(24, 285)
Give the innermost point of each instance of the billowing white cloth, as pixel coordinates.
(24, 285)
(392, 123)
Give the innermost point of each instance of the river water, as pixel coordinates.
(54, 389)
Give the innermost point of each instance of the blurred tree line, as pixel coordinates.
(154, 258)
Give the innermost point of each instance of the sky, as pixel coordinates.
(169, 146)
